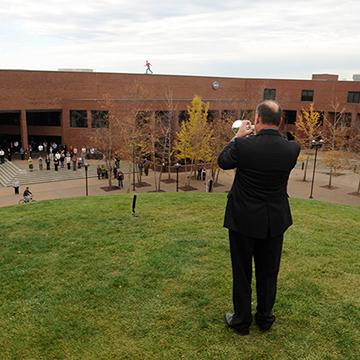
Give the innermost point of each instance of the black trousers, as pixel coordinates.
(266, 253)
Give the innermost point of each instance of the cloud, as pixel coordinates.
(205, 37)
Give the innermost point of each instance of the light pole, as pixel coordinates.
(86, 165)
(177, 166)
(133, 156)
(315, 144)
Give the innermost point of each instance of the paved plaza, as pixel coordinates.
(68, 184)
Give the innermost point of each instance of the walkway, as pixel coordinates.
(343, 186)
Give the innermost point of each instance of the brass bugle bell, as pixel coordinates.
(236, 125)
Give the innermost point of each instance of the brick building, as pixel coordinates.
(67, 106)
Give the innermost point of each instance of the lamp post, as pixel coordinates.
(133, 156)
(177, 166)
(315, 144)
(86, 165)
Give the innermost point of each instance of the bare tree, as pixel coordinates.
(111, 129)
(222, 133)
(334, 133)
(334, 130)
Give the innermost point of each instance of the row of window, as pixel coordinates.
(99, 118)
(78, 118)
(308, 95)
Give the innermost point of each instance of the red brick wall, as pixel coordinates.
(34, 90)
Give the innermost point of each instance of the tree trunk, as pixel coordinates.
(217, 176)
(306, 166)
(129, 181)
(185, 171)
(109, 170)
(159, 182)
(330, 178)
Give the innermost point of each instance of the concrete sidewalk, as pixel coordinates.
(343, 185)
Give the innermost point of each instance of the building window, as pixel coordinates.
(289, 116)
(143, 118)
(246, 114)
(163, 118)
(307, 95)
(353, 97)
(78, 118)
(43, 118)
(212, 115)
(340, 119)
(346, 120)
(228, 115)
(100, 119)
(183, 116)
(10, 118)
(269, 94)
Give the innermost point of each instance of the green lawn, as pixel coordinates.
(83, 279)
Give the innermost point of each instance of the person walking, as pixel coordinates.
(257, 213)
(16, 186)
(146, 167)
(148, 67)
(120, 178)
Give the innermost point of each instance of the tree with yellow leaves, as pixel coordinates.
(195, 135)
(307, 129)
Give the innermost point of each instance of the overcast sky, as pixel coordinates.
(237, 38)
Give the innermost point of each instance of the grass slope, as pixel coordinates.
(82, 279)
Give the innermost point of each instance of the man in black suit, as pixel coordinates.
(257, 212)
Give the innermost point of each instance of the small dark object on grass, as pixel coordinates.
(134, 205)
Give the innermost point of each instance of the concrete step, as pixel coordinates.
(27, 177)
(44, 176)
(8, 172)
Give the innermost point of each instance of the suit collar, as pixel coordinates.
(269, 132)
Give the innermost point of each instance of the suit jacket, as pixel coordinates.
(258, 202)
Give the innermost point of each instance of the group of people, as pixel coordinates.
(61, 158)
(102, 173)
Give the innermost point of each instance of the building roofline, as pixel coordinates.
(89, 73)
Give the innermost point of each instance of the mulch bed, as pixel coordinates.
(110, 188)
(187, 188)
(168, 181)
(354, 194)
(142, 184)
(333, 174)
(329, 188)
(218, 185)
(154, 191)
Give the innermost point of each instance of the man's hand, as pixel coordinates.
(244, 130)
